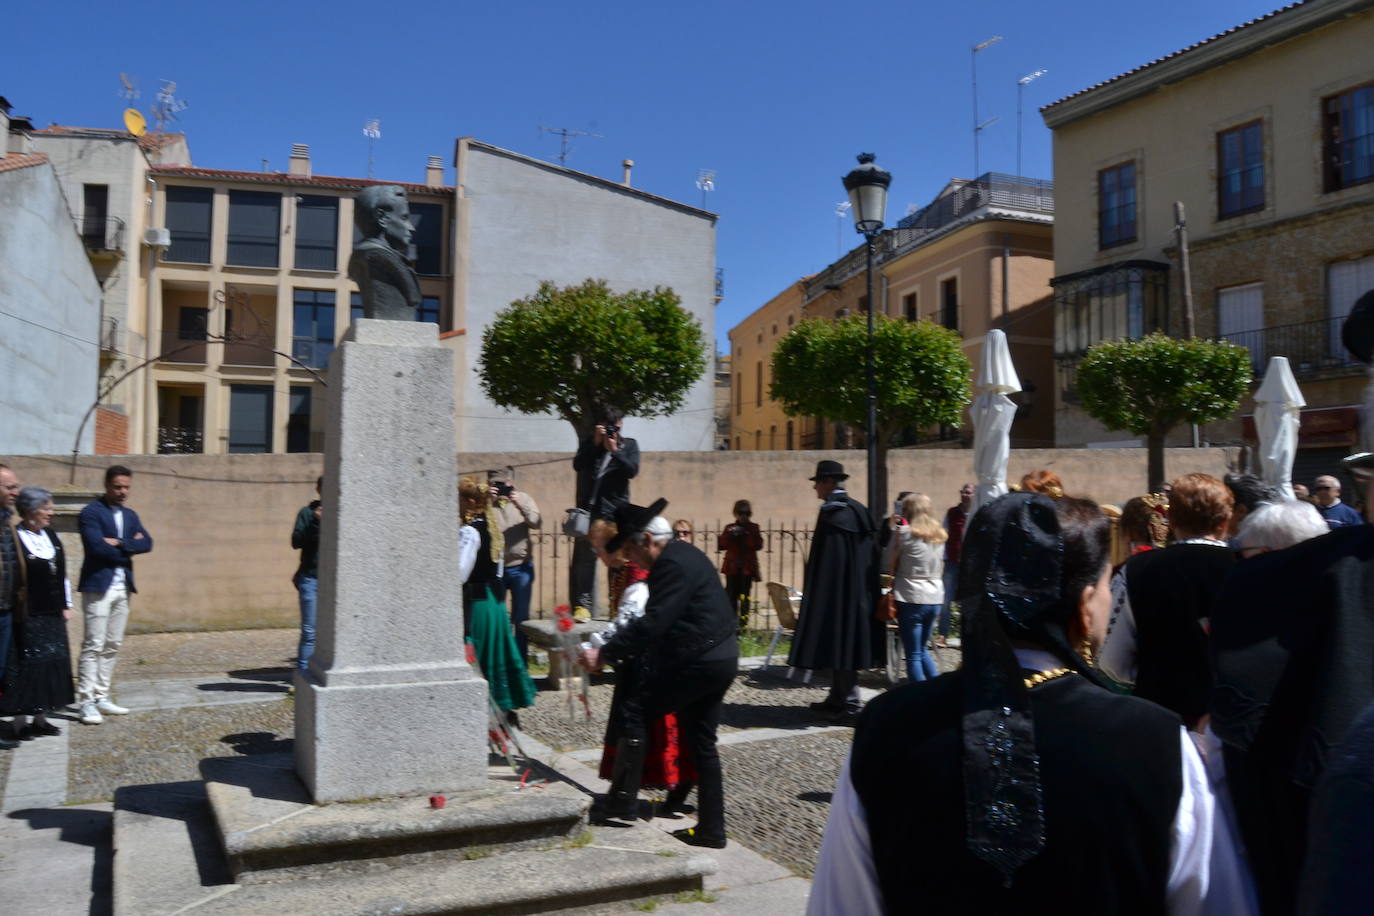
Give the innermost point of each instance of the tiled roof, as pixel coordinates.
(10, 163)
(286, 178)
(1206, 41)
(158, 139)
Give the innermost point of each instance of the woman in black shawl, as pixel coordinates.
(1074, 799)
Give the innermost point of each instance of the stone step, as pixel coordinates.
(587, 880)
(271, 831)
(167, 860)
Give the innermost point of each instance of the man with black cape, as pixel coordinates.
(835, 627)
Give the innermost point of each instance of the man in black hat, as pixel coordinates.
(835, 627)
(686, 647)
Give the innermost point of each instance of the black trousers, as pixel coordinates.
(737, 587)
(696, 693)
(582, 576)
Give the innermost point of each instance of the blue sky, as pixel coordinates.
(776, 97)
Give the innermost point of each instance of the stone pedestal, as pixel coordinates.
(389, 705)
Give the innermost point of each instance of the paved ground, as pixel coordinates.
(221, 694)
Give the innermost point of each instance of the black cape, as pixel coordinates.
(1292, 638)
(835, 628)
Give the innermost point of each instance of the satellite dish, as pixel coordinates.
(134, 122)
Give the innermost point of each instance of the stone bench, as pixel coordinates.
(545, 635)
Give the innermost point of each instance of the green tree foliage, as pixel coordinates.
(1152, 384)
(921, 372)
(581, 351)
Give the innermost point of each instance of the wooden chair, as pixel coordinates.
(782, 600)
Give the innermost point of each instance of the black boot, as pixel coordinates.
(622, 801)
(675, 805)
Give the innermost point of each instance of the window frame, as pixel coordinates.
(174, 198)
(1117, 236)
(1242, 169)
(249, 243)
(1334, 165)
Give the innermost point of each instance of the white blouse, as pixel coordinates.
(41, 546)
(920, 568)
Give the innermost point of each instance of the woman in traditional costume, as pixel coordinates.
(484, 617)
(1070, 798)
(38, 673)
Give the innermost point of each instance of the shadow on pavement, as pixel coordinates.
(186, 802)
(83, 828)
(244, 688)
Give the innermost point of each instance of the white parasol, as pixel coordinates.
(992, 413)
(1278, 402)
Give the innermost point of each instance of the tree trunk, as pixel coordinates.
(879, 498)
(1154, 445)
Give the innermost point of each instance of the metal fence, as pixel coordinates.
(782, 559)
(1312, 347)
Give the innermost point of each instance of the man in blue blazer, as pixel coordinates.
(111, 534)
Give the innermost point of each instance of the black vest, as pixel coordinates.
(1111, 776)
(1172, 592)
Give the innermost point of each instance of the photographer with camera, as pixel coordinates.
(516, 513)
(605, 463)
(741, 542)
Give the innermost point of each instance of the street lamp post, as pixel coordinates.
(1020, 89)
(867, 187)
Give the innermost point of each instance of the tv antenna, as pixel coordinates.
(706, 181)
(841, 210)
(128, 87)
(372, 130)
(564, 143)
(168, 105)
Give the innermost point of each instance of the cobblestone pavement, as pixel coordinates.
(167, 745)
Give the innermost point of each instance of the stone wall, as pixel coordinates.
(221, 524)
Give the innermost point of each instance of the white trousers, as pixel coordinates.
(105, 616)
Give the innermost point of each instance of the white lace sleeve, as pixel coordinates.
(631, 607)
(468, 542)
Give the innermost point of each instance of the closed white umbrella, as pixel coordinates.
(992, 413)
(1278, 404)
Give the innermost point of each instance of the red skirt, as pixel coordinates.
(665, 765)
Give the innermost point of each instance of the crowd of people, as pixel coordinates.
(1169, 715)
(36, 602)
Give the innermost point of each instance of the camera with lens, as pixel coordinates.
(503, 488)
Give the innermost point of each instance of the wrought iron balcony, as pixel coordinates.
(111, 334)
(101, 233)
(179, 440)
(1313, 348)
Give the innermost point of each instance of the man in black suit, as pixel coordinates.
(686, 647)
(606, 462)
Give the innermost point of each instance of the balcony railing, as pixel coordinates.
(111, 334)
(179, 440)
(101, 233)
(1313, 348)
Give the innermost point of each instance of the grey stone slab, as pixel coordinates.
(589, 879)
(56, 860)
(271, 830)
(783, 897)
(166, 850)
(379, 332)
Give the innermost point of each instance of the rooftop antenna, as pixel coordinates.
(128, 87)
(706, 181)
(978, 126)
(372, 130)
(167, 107)
(841, 210)
(565, 146)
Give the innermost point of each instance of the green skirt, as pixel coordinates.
(498, 656)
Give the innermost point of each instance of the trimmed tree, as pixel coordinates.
(921, 372)
(1152, 384)
(583, 351)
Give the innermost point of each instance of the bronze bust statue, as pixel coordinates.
(387, 282)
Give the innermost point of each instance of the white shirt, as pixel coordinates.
(920, 568)
(1206, 876)
(41, 546)
(468, 542)
(119, 576)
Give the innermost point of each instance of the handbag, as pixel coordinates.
(577, 522)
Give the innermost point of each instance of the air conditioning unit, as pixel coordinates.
(157, 238)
